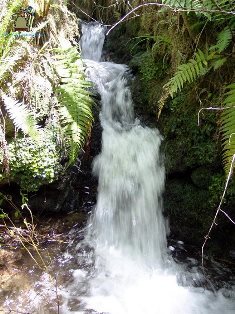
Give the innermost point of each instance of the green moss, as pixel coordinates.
(33, 164)
(216, 189)
(186, 144)
(187, 206)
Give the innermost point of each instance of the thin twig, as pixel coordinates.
(219, 208)
(77, 7)
(227, 216)
(210, 108)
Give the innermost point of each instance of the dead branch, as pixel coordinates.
(208, 108)
(161, 5)
(219, 208)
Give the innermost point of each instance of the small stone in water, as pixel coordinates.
(180, 242)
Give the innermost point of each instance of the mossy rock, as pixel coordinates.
(33, 163)
(189, 211)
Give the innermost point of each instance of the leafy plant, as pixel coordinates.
(200, 5)
(224, 39)
(45, 95)
(188, 72)
(199, 65)
(74, 101)
(21, 116)
(5, 25)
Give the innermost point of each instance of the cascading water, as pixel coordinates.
(128, 214)
(133, 273)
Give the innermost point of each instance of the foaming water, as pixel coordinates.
(133, 274)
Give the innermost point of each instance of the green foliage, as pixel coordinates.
(199, 5)
(228, 127)
(223, 40)
(148, 67)
(5, 24)
(21, 116)
(75, 101)
(187, 145)
(216, 188)
(45, 95)
(188, 72)
(200, 65)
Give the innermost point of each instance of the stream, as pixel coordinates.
(121, 262)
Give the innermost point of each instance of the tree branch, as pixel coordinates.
(219, 208)
(161, 5)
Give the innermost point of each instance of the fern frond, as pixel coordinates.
(6, 22)
(196, 67)
(223, 40)
(228, 127)
(184, 4)
(21, 116)
(199, 4)
(75, 101)
(7, 63)
(188, 73)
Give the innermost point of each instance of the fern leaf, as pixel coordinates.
(188, 73)
(6, 22)
(21, 116)
(200, 5)
(223, 40)
(75, 102)
(219, 63)
(228, 127)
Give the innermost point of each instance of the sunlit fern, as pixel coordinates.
(228, 127)
(75, 101)
(21, 116)
(5, 25)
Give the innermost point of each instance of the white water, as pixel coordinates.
(133, 273)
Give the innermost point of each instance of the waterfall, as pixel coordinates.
(133, 274)
(128, 214)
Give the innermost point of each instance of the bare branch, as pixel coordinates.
(219, 208)
(161, 5)
(207, 108)
(90, 17)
